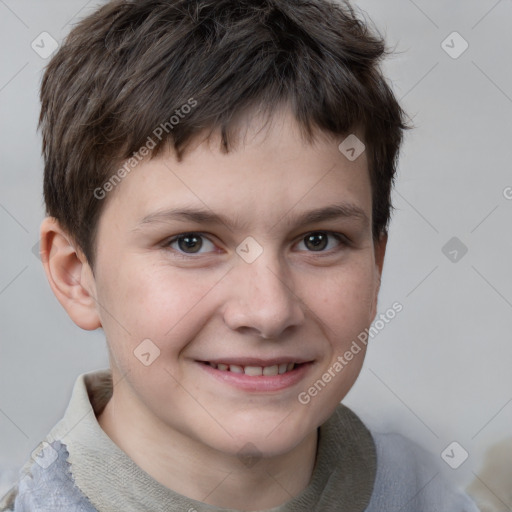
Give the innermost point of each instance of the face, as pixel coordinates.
(229, 284)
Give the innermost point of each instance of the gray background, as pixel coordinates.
(440, 371)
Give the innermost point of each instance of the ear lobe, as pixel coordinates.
(69, 275)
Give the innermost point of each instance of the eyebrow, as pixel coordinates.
(205, 216)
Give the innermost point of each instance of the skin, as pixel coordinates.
(178, 423)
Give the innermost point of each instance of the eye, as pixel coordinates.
(318, 241)
(190, 243)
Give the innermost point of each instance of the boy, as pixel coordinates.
(217, 182)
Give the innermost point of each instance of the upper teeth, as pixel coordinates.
(254, 371)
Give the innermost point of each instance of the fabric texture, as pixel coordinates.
(78, 468)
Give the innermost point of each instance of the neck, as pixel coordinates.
(200, 472)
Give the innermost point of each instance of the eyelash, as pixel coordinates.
(342, 239)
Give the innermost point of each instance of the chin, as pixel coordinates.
(267, 438)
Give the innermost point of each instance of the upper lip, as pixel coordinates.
(256, 361)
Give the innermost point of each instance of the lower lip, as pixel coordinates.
(263, 383)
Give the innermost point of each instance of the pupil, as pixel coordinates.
(317, 241)
(188, 242)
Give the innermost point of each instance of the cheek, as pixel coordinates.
(153, 302)
(344, 298)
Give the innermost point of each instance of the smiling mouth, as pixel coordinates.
(256, 371)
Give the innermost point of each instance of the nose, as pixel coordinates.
(262, 299)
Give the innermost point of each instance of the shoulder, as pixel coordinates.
(45, 484)
(409, 479)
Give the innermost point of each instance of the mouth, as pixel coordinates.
(257, 375)
(254, 370)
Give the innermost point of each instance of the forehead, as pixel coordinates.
(270, 173)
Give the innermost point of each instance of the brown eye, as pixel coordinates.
(316, 241)
(190, 243)
(322, 242)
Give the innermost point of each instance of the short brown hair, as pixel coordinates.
(128, 67)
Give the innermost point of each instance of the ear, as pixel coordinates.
(380, 252)
(69, 274)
